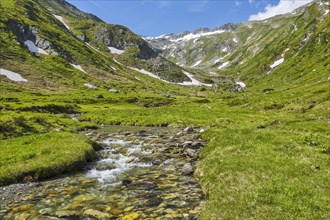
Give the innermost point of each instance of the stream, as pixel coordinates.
(141, 173)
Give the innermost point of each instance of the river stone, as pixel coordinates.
(187, 169)
(63, 214)
(142, 185)
(156, 201)
(82, 198)
(23, 208)
(187, 144)
(196, 145)
(96, 214)
(191, 153)
(22, 216)
(116, 211)
(188, 129)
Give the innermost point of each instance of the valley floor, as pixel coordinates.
(266, 158)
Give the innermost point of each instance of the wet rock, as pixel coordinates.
(23, 208)
(105, 166)
(83, 198)
(142, 185)
(187, 169)
(188, 129)
(156, 162)
(187, 144)
(131, 216)
(126, 182)
(65, 214)
(196, 145)
(23, 216)
(116, 212)
(191, 153)
(153, 202)
(95, 214)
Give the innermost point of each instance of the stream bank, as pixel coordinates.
(141, 173)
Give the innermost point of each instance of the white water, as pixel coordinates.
(120, 162)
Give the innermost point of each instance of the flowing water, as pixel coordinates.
(141, 173)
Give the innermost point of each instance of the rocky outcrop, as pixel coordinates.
(25, 33)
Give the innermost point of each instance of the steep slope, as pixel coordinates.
(114, 40)
(53, 45)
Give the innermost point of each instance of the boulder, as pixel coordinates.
(187, 169)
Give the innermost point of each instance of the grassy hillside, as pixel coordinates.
(268, 150)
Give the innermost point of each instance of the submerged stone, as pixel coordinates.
(96, 214)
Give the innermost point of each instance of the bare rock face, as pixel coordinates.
(25, 33)
(122, 38)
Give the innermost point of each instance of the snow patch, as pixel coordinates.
(193, 82)
(241, 84)
(12, 75)
(115, 50)
(223, 65)
(276, 63)
(33, 48)
(235, 40)
(193, 36)
(197, 63)
(78, 67)
(147, 73)
(90, 86)
(225, 49)
(60, 18)
(326, 12)
(217, 60)
(113, 68)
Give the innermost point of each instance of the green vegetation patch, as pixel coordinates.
(252, 173)
(40, 156)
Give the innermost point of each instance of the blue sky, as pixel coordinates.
(156, 17)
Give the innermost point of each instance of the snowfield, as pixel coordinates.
(193, 36)
(78, 67)
(60, 18)
(115, 50)
(33, 48)
(193, 82)
(12, 75)
(197, 63)
(223, 65)
(90, 86)
(276, 63)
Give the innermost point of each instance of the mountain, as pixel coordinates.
(255, 48)
(53, 44)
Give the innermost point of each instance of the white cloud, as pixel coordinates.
(237, 3)
(283, 7)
